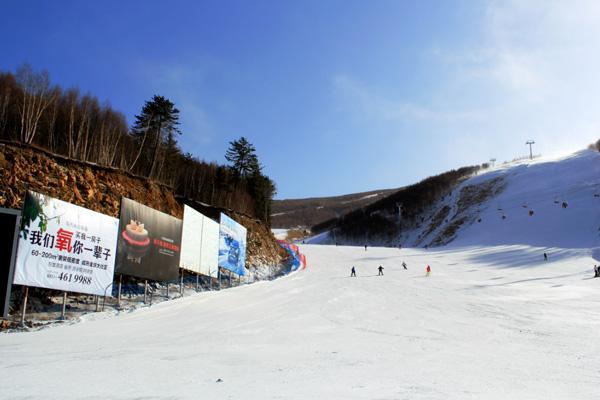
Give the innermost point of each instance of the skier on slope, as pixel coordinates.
(380, 270)
(404, 265)
(545, 257)
(353, 272)
(427, 270)
(596, 271)
(365, 247)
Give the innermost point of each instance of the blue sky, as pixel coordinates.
(337, 96)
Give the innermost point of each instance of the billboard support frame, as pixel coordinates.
(119, 291)
(145, 290)
(64, 306)
(181, 281)
(24, 309)
(13, 257)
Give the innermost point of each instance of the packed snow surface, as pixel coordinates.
(489, 323)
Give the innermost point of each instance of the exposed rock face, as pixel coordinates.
(470, 198)
(100, 189)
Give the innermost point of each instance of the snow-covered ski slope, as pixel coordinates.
(518, 189)
(540, 186)
(489, 323)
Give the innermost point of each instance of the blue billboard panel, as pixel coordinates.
(232, 245)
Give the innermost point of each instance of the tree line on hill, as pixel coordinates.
(35, 112)
(401, 210)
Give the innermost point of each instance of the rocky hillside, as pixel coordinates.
(101, 188)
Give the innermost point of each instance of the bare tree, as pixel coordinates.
(6, 93)
(36, 97)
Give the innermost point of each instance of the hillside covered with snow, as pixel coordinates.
(551, 202)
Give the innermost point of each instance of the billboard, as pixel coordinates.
(191, 239)
(149, 243)
(65, 247)
(199, 243)
(232, 245)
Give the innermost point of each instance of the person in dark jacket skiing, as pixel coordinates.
(404, 265)
(380, 270)
(545, 257)
(353, 272)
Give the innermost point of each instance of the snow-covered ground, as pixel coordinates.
(489, 323)
(280, 234)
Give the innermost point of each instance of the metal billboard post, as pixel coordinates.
(145, 290)
(24, 306)
(104, 297)
(119, 291)
(64, 306)
(181, 282)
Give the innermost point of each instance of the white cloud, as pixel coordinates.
(372, 104)
(532, 71)
(541, 65)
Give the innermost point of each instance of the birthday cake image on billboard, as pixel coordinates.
(137, 240)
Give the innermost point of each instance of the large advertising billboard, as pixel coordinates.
(149, 243)
(232, 245)
(199, 243)
(65, 247)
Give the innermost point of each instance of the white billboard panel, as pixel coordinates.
(65, 247)
(191, 239)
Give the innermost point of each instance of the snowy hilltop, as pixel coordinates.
(542, 202)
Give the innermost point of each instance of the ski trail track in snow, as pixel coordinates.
(489, 323)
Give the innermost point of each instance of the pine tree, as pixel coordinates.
(242, 155)
(154, 129)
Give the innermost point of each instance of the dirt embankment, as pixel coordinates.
(100, 189)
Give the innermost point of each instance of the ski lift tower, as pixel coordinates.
(399, 207)
(530, 143)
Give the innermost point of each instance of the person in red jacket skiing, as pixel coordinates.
(427, 270)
